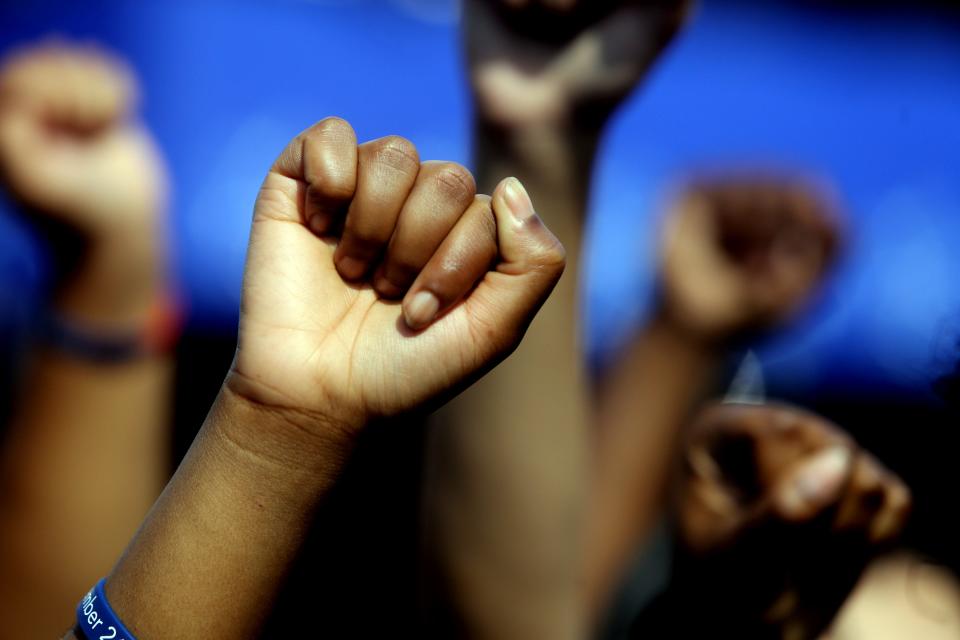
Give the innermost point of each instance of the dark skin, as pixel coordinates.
(738, 255)
(73, 153)
(321, 354)
(563, 62)
(778, 513)
(505, 522)
(741, 253)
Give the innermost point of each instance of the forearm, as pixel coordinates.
(93, 421)
(508, 513)
(554, 162)
(642, 407)
(65, 517)
(210, 557)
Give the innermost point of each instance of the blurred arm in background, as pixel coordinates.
(737, 256)
(778, 513)
(86, 453)
(504, 491)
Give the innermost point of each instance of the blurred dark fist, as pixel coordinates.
(552, 62)
(743, 255)
(779, 513)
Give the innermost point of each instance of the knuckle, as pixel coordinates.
(487, 219)
(331, 127)
(551, 254)
(455, 181)
(323, 146)
(397, 153)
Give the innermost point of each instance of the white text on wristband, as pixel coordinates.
(96, 620)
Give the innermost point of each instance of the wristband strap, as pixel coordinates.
(96, 620)
(158, 335)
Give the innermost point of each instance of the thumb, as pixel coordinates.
(714, 513)
(530, 262)
(814, 484)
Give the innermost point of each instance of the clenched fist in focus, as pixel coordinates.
(376, 283)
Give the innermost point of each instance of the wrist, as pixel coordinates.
(684, 337)
(298, 444)
(552, 157)
(116, 284)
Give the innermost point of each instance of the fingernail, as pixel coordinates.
(351, 268)
(421, 309)
(517, 199)
(821, 477)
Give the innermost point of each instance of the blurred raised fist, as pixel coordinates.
(72, 153)
(779, 513)
(376, 283)
(69, 145)
(551, 62)
(742, 255)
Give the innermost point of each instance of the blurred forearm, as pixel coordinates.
(555, 160)
(723, 276)
(507, 515)
(86, 453)
(643, 403)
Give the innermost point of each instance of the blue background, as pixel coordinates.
(869, 99)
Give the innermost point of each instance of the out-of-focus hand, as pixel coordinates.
(549, 62)
(68, 143)
(779, 513)
(376, 283)
(70, 150)
(742, 255)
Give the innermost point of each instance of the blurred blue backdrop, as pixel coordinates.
(867, 98)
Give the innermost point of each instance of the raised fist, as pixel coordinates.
(74, 155)
(69, 145)
(376, 283)
(779, 513)
(742, 255)
(551, 62)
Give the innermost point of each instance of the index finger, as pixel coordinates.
(322, 160)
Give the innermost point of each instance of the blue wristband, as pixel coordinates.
(96, 620)
(69, 338)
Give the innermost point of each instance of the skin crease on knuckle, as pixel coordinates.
(440, 198)
(396, 154)
(471, 253)
(455, 183)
